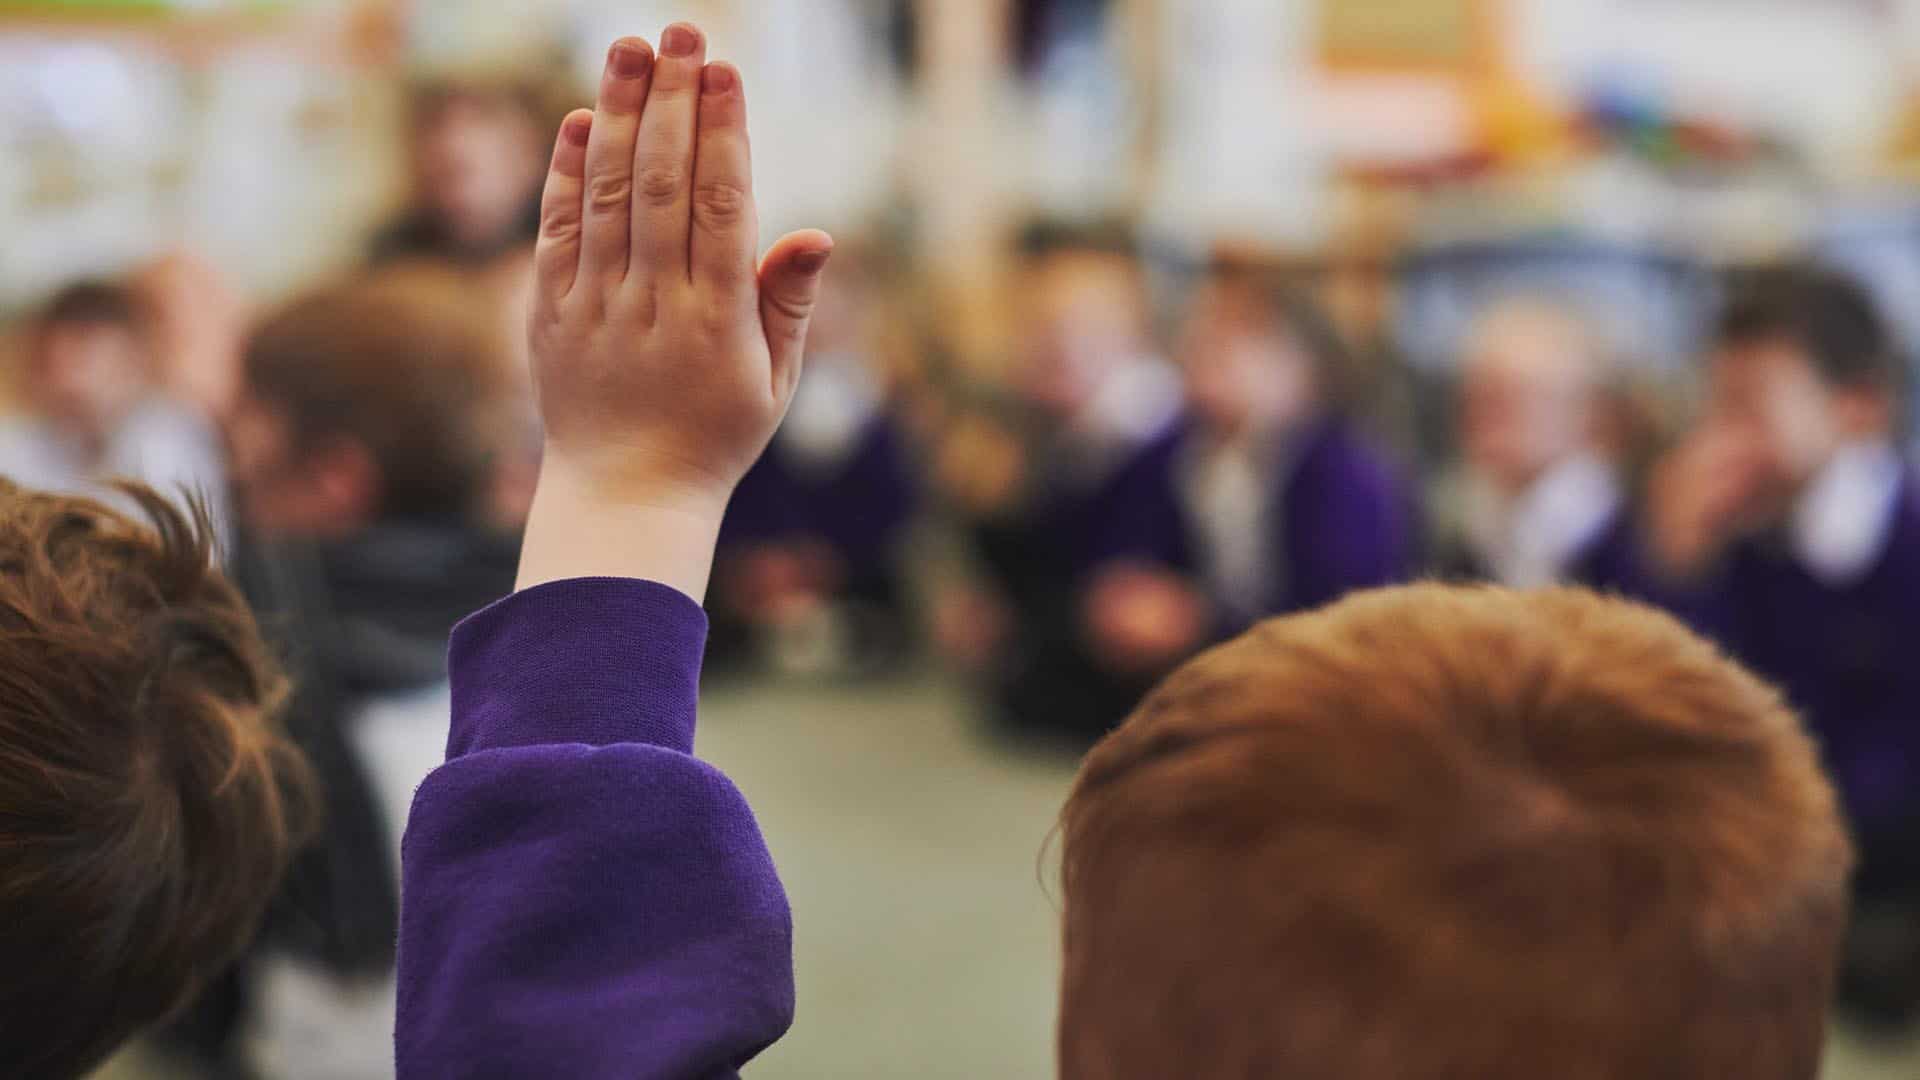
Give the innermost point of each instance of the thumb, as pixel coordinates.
(789, 285)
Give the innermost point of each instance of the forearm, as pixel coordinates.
(582, 897)
(579, 531)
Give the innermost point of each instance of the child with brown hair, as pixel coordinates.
(365, 435)
(1263, 500)
(1424, 834)
(148, 801)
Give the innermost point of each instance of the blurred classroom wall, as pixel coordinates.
(1728, 129)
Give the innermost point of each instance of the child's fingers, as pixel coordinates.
(789, 286)
(725, 235)
(663, 157)
(609, 192)
(556, 256)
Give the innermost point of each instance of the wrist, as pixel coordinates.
(580, 527)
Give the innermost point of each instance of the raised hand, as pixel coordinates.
(1703, 494)
(664, 351)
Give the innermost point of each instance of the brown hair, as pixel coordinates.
(525, 98)
(1445, 832)
(1270, 297)
(148, 803)
(1824, 312)
(403, 362)
(94, 303)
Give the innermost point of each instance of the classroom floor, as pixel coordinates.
(924, 925)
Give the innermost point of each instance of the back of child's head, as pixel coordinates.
(403, 368)
(148, 802)
(1439, 833)
(1826, 315)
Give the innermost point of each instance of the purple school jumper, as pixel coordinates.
(1847, 656)
(581, 897)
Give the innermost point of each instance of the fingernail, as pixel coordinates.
(679, 41)
(629, 60)
(812, 262)
(578, 130)
(718, 78)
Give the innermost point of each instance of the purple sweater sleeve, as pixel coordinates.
(580, 896)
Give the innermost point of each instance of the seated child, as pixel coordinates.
(1424, 834)
(1438, 832)
(810, 556)
(1091, 394)
(1536, 490)
(476, 173)
(95, 411)
(1787, 525)
(1262, 502)
(148, 801)
(364, 439)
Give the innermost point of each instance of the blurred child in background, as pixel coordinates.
(1092, 393)
(477, 153)
(95, 407)
(363, 446)
(199, 329)
(1262, 502)
(1537, 488)
(810, 557)
(1788, 525)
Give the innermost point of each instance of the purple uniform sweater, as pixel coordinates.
(581, 897)
(1845, 655)
(1342, 521)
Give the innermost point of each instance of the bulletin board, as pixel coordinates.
(127, 131)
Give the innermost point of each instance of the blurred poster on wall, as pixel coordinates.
(320, 161)
(1238, 157)
(1082, 112)
(823, 82)
(1403, 35)
(827, 104)
(147, 7)
(1823, 76)
(87, 134)
(1398, 78)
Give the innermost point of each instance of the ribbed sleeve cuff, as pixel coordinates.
(594, 661)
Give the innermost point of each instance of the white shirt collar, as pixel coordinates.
(1841, 524)
(1136, 401)
(1228, 492)
(1530, 541)
(832, 408)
